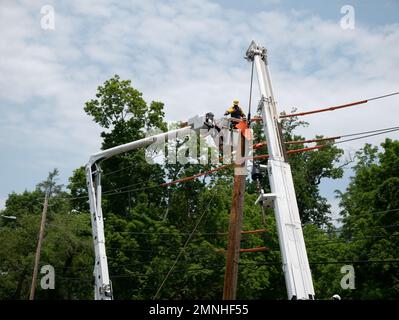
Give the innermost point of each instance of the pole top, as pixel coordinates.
(253, 50)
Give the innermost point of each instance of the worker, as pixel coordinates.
(236, 112)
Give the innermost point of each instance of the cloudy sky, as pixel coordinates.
(188, 54)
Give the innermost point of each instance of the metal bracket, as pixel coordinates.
(263, 100)
(106, 289)
(254, 50)
(266, 199)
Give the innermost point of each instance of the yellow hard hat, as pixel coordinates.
(236, 101)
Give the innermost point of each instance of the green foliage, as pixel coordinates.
(121, 108)
(149, 229)
(78, 190)
(17, 256)
(67, 246)
(371, 220)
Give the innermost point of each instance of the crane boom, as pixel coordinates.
(102, 283)
(296, 268)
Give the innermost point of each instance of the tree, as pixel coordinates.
(67, 245)
(147, 225)
(49, 186)
(120, 109)
(78, 190)
(370, 216)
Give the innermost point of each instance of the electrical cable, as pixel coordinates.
(115, 192)
(337, 107)
(250, 94)
(184, 247)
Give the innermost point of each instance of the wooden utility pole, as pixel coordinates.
(49, 186)
(235, 225)
(39, 248)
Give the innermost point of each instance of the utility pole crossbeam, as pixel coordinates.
(296, 268)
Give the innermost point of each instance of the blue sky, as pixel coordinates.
(188, 54)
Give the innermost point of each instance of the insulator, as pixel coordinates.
(256, 172)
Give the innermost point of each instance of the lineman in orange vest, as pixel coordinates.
(236, 112)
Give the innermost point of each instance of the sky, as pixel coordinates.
(189, 55)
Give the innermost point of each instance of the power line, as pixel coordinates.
(248, 265)
(115, 191)
(356, 261)
(365, 228)
(351, 104)
(225, 233)
(375, 212)
(351, 215)
(378, 132)
(366, 136)
(366, 132)
(177, 233)
(331, 241)
(125, 187)
(119, 170)
(383, 96)
(216, 250)
(184, 247)
(250, 92)
(396, 210)
(112, 193)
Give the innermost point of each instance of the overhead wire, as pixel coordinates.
(385, 130)
(250, 93)
(120, 190)
(184, 247)
(351, 104)
(375, 212)
(366, 136)
(243, 264)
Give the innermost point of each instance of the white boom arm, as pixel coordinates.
(102, 282)
(296, 268)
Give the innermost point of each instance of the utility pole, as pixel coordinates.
(49, 186)
(235, 225)
(295, 262)
(39, 248)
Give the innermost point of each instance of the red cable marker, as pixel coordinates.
(337, 107)
(263, 156)
(323, 110)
